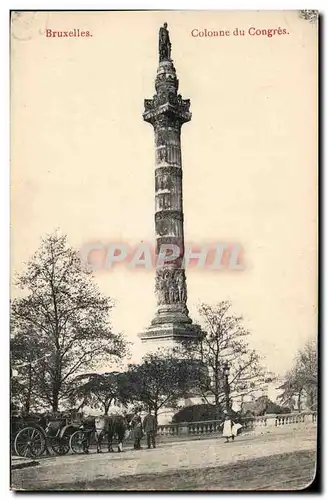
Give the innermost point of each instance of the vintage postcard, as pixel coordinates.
(164, 193)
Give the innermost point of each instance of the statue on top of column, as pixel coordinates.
(164, 44)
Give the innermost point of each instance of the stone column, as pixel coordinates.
(167, 112)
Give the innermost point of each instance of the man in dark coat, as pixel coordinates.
(150, 429)
(136, 425)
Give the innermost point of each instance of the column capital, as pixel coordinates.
(167, 110)
(167, 102)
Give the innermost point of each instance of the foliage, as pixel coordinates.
(262, 406)
(25, 353)
(160, 380)
(62, 315)
(99, 390)
(301, 382)
(275, 409)
(225, 342)
(200, 413)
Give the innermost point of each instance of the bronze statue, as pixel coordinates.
(164, 44)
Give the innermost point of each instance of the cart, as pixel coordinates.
(33, 437)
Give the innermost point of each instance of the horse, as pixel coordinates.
(111, 425)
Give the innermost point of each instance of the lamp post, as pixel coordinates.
(226, 372)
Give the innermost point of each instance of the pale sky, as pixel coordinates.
(83, 159)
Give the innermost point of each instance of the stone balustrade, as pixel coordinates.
(250, 424)
(267, 421)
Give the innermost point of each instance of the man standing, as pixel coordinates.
(137, 430)
(150, 428)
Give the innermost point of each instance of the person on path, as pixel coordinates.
(136, 425)
(227, 428)
(235, 428)
(150, 429)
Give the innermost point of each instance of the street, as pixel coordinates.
(273, 461)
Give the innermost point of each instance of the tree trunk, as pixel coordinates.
(27, 405)
(299, 402)
(107, 406)
(55, 404)
(57, 381)
(311, 400)
(55, 396)
(81, 405)
(217, 406)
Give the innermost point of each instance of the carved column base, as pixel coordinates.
(171, 332)
(172, 313)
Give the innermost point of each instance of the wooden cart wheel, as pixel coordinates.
(60, 446)
(78, 442)
(29, 442)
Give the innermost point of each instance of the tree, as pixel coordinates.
(307, 366)
(160, 380)
(225, 342)
(292, 391)
(26, 353)
(302, 380)
(65, 316)
(99, 390)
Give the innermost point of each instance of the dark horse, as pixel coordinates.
(111, 426)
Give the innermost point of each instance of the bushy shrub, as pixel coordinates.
(199, 413)
(273, 408)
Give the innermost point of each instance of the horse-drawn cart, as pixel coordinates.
(107, 429)
(27, 436)
(33, 435)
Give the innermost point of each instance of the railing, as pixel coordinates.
(266, 422)
(209, 427)
(169, 429)
(192, 429)
(296, 418)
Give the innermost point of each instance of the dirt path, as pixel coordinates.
(192, 464)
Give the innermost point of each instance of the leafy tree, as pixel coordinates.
(99, 390)
(26, 353)
(224, 343)
(160, 380)
(301, 382)
(65, 316)
(307, 363)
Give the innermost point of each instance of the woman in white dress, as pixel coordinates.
(230, 429)
(227, 429)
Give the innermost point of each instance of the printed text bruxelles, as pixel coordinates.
(75, 33)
